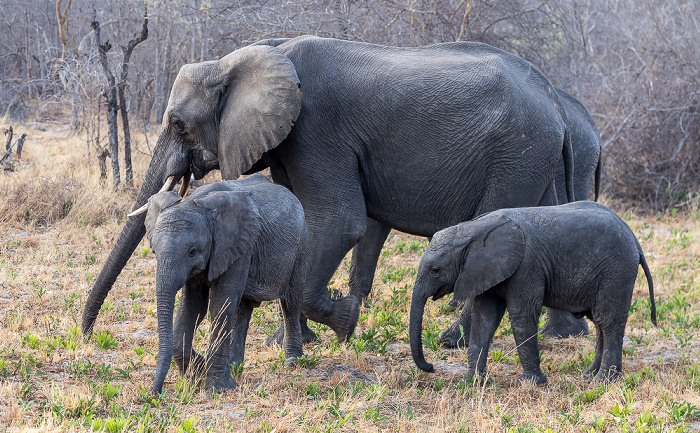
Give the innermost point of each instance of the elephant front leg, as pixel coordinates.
(524, 320)
(487, 313)
(230, 315)
(191, 311)
(364, 258)
(562, 324)
(458, 335)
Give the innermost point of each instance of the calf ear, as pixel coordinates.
(236, 224)
(156, 204)
(493, 250)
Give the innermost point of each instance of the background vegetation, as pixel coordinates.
(635, 65)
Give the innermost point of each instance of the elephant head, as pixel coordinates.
(204, 234)
(466, 259)
(221, 114)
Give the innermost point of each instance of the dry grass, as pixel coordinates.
(55, 236)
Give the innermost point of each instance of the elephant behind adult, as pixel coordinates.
(415, 138)
(588, 150)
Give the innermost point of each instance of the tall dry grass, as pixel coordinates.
(50, 255)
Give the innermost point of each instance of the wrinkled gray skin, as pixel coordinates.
(588, 151)
(417, 139)
(578, 257)
(232, 245)
(587, 147)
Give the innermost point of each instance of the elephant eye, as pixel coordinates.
(179, 125)
(434, 272)
(192, 252)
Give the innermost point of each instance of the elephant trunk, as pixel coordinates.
(127, 242)
(167, 286)
(415, 329)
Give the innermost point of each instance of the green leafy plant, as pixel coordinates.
(105, 340)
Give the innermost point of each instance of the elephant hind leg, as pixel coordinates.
(364, 258)
(291, 309)
(562, 324)
(611, 359)
(307, 335)
(599, 345)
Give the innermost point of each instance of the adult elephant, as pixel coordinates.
(415, 138)
(587, 148)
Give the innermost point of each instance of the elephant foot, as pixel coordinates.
(196, 368)
(291, 362)
(344, 317)
(335, 294)
(341, 315)
(220, 383)
(277, 337)
(591, 371)
(454, 304)
(472, 379)
(454, 337)
(608, 375)
(535, 378)
(561, 324)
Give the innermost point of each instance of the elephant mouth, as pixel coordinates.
(442, 291)
(200, 163)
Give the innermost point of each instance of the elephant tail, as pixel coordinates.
(650, 282)
(568, 155)
(598, 170)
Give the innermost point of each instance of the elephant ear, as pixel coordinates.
(236, 224)
(494, 247)
(156, 204)
(260, 101)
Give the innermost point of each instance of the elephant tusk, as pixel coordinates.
(185, 184)
(138, 211)
(169, 184)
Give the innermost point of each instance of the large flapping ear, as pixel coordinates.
(156, 204)
(493, 249)
(260, 102)
(236, 224)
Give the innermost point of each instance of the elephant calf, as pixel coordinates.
(578, 257)
(233, 245)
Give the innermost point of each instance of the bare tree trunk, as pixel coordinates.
(8, 137)
(102, 155)
(122, 98)
(162, 77)
(110, 95)
(20, 144)
(63, 33)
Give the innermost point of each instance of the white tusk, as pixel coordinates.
(169, 184)
(138, 211)
(185, 184)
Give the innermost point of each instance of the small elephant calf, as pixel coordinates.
(232, 245)
(578, 257)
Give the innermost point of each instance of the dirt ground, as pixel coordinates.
(58, 223)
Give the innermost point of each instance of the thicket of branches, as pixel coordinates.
(635, 65)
